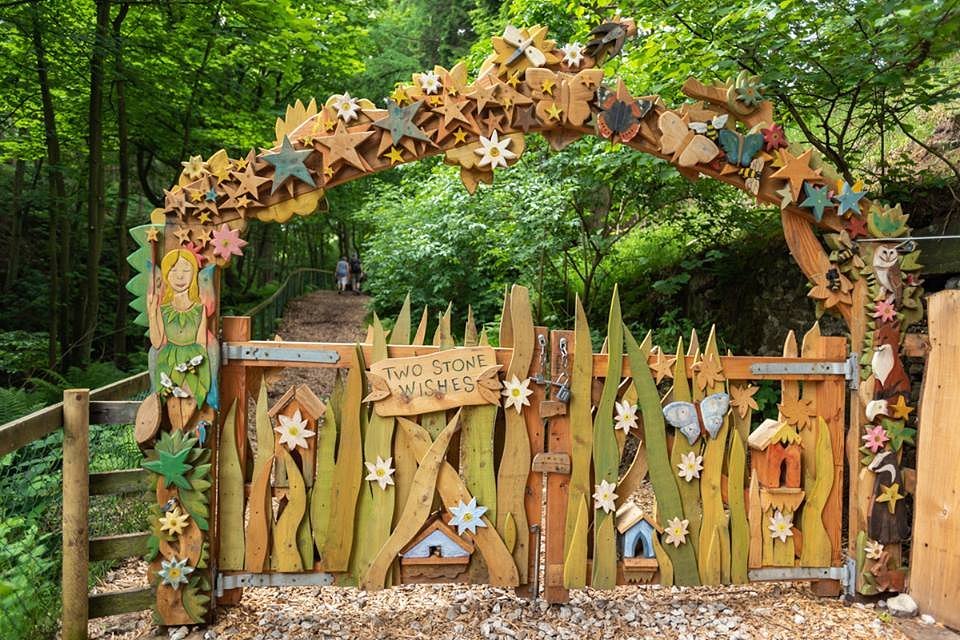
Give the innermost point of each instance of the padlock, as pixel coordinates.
(563, 393)
(539, 379)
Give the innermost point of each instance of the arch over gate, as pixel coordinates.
(844, 243)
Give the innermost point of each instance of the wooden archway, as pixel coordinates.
(530, 85)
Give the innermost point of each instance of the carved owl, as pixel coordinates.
(886, 265)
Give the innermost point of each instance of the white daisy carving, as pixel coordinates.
(293, 431)
(174, 572)
(604, 496)
(676, 531)
(347, 107)
(626, 417)
(430, 82)
(873, 549)
(690, 466)
(380, 472)
(572, 54)
(467, 517)
(781, 526)
(494, 152)
(516, 393)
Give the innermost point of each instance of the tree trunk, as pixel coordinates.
(123, 196)
(57, 189)
(96, 205)
(16, 225)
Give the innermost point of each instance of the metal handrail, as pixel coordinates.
(264, 315)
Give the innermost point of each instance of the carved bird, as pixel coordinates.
(886, 265)
(876, 408)
(607, 39)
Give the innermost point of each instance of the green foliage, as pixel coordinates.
(26, 569)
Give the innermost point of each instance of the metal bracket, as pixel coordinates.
(277, 353)
(852, 374)
(774, 574)
(800, 368)
(225, 582)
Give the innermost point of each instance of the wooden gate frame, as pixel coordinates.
(482, 124)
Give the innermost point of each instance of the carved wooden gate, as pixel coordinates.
(425, 463)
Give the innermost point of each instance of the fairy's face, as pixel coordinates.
(181, 276)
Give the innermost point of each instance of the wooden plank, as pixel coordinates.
(286, 548)
(76, 500)
(22, 431)
(935, 556)
(120, 482)
(711, 547)
(558, 486)
(117, 412)
(117, 602)
(533, 496)
(230, 496)
(915, 345)
(126, 545)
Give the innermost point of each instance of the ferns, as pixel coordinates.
(17, 402)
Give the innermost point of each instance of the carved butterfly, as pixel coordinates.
(569, 93)
(523, 47)
(688, 417)
(621, 114)
(687, 147)
(711, 129)
(740, 149)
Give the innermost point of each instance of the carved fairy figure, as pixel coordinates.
(183, 358)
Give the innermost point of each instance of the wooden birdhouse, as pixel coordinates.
(436, 552)
(296, 418)
(636, 531)
(775, 455)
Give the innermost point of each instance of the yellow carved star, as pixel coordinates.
(202, 237)
(514, 79)
(547, 86)
(243, 202)
(436, 101)
(395, 156)
(890, 495)
(152, 234)
(203, 217)
(326, 124)
(460, 136)
(196, 196)
(328, 172)
(554, 112)
(240, 164)
(900, 410)
(399, 95)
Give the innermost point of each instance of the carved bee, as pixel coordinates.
(833, 279)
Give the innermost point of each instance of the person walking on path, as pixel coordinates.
(356, 273)
(342, 274)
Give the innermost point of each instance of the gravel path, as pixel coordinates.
(758, 611)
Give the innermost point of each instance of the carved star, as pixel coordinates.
(153, 234)
(524, 118)
(554, 112)
(175, 200)
(399, 95)
(240, 164)
(786, 197)
(493, 122)
(288, 163)
(483, 94)
(798, 412)
(547, 86)
(342, 145)
(708, 372)
(193, 168)
(249, 180)
(741, 398)
(891, 495)
(203, 217)
(849, 199)
(394, 155)
(460, 136)
(202, 236)
(196, 196)
(451, 111)
(795, 170)
(818, 199)
(183, 235)
(900, 410)
(399, 124)
(222, 171)
(663, 367)
(856, 227)
(514, 79)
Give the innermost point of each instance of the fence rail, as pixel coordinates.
(264, 316)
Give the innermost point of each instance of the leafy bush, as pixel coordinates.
(28, 588)
(22, 353)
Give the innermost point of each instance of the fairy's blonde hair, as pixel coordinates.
(172, 257)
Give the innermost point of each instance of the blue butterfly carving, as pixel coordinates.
(687, 417)
(740, 149)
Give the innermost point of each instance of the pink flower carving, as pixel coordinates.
(885, 311)
(227, 242)
(876, 438)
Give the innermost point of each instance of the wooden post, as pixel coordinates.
(76, 499)
(558, 486)
(233, 387)
(533, 498)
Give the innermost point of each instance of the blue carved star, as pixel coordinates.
(288, 163)
(818, 199)
(849, 200)
(211, 195)
(399, 122)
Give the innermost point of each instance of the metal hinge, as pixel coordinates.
(852, 373)
(279, 353)
(244, 580)
(849, 369)
(843, 573)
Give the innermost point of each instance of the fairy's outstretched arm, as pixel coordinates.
(208, 297)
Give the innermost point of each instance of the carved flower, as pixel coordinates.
(293, 431)
(690, 466)
(572, 54)
(873, 549)
(493, 151)
(676, 531)
(430, 82)
(604, 496)
(781, 526)
(174, 522)
(467, 517)
(626, 417)
(174, 572)
(227, 242)
(347, 107)
(380, 472)
(831, 296)
(516, 393)
(875, 438)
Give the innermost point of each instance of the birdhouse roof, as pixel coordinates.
(630, 514)
(770, 432)
(307, 399)
(436, 523)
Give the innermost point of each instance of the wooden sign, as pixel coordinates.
(434, 382)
